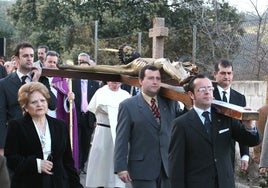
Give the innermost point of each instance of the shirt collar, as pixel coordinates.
(147, 98)
(221, 90)
(21, 74)
(199, 111)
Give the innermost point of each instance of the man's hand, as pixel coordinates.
(124, 176)
(46, 167)
(263, 170)
(36, 73)
(244, 165)
(71, 96)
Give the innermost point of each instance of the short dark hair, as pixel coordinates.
(43, 46)
(21, 46)
(147, 67)
(191, 84)
(224, 63)
(52, 53)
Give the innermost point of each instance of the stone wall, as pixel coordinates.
(256, 96)
(255, 92)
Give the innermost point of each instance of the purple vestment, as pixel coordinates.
(61, 85)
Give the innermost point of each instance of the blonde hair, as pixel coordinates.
(28, 89)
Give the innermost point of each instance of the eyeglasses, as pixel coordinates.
(204, 89)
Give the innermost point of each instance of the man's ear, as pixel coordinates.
(191, 95)
(140, 82)
(214, 74)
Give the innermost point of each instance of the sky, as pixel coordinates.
(246, 6)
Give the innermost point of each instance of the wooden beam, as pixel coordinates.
(80, 74)
(168, 89)
(235, 111)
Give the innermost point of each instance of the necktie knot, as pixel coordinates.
(206, 115)
(224, 98)
(23, 79)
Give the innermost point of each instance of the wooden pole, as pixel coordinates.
(70, 86)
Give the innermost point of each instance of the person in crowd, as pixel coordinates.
(223, 74)
(260, 124)
(4, 176)
(2, 60)
(84, 90)
(50, 62)
(3, 71)
(200, 147)
(9, 65)
(143, 134)
(38, 149)
(60, 88)
(41, 55)
(104, 104)
(131, 89)
(15, 64)
(264, 152)
(9, 86)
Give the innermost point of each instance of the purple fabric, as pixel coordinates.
(84, 102)
(61, 85)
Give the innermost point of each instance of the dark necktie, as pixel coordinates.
(23, 79)
(207, 123)
(155, 109)
(224, 98)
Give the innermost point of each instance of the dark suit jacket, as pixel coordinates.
(240, 100)
(148, 141)
(4, 177)
(9, 105)
(23, 147)
(3, 72)
(91, 89)
(195, 160)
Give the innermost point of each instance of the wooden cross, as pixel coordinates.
(158, 32)
(169, 88)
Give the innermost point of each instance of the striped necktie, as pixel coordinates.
(155, 109)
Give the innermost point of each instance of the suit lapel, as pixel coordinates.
(216, 124)
(32, 134)
(146, 112)
(217, 94)
(15, 79)
(196, 123)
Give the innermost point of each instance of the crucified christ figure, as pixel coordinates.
(177, 70)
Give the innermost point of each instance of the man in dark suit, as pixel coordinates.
(9, 86)
(84, 91)
(143, 134)
(223, 74)
(200, 147)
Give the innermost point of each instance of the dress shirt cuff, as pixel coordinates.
(38, 162)
(245, 158)
(122, 172)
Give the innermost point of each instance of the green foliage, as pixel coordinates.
(67, 26)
